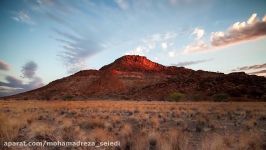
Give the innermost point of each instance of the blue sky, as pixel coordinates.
(54, 38)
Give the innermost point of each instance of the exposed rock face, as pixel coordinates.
(138, 78)
(134, 63)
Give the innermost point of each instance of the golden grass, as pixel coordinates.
(137, 124)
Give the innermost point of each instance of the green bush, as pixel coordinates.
(175, 96)
(221, 97)
(68, 97)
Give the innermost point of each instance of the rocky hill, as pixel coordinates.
(137, 78)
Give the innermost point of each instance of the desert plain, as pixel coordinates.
(137, 125)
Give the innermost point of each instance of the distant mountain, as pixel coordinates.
(137, 78)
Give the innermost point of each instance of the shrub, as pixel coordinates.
(263, 97)
(68, 97)
(91, 124)
(175, 96)
(195, 97)
(8, 130)
(221, 97)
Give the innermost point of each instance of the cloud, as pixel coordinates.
(198, 44)
(171, 53)
(77, 50)
(188, 2)
(198, 32)
(23, 17)
(86, 36)
(79, 39)
(12, 82)
(259, 72)
(123, 4)
(164, 45)
(4, 65)
(188, 63)
(259, 66)
(253, 28)
(258, 69)
(56, 18)
(162, 36)
(13, 85)
(162, 41)
(29, 69)
(44, 5)
(36, 82)
(137, 51)
(5, 90)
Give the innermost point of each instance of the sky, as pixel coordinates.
(45, 40)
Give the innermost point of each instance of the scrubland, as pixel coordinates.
(137, 125)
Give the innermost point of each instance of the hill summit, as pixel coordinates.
(138, 78)
(134, 63)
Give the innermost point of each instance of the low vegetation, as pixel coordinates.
(136, 125)
(68, 97)
(176, 96)
(221, 97)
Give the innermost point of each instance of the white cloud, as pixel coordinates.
(123, 4)
(137, 51)
(23, 16)
(198, 44)
(253, 19)
(160, 37)
(151, 45)
(164, 45)
(253, 28)
(162, 41)
(199, 33)
(171, 53)
(264, 19)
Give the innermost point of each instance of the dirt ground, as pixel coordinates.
(135, 125)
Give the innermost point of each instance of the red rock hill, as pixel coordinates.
(137, 78)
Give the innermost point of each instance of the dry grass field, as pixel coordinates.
(136, 125)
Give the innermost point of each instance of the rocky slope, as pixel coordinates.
(137, 78)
